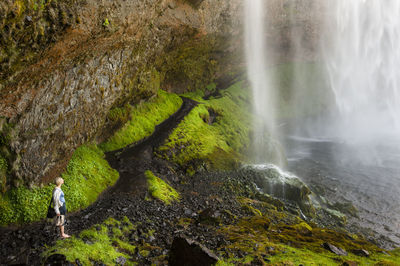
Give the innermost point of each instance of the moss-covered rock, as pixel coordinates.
(190, 66)
(27, 27)
(103, 243)
(159, 189)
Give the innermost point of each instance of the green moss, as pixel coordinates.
(3, 173)
(87, 175)
(120, 114)
(215, 132)
(144, 118)
(191, 65)
(106, 23)
(91, 245)
(129, 248)
(98, 244)
(23, 40)
(161, 190)
(287, 240)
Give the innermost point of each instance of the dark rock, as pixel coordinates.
(361, 252)
(209, 216)
(78, 262)
(188, 212)
(56, 259)
(334, 249)
(188, 252)
(257, 262)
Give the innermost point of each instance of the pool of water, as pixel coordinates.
(368, 176)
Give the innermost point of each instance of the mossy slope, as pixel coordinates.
(215, 133)
(276, 237)
(144, 118)
(161, 190)
(87, 175)
(103, 243)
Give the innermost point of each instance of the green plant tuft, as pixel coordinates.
(106, 23)
(161, 190)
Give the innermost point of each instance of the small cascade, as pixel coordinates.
(264, 145)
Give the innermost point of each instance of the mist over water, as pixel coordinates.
(361, 48)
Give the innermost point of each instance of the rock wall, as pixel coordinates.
(66, 64)
(108, 56)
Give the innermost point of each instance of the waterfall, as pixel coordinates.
(260, 81)
(362, 54)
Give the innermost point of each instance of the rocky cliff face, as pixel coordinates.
(66, 64)
(105, 54)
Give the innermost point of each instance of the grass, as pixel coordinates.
(199, 138)
(98, 244)
(87, 175)
(161, 190)
(144, 118)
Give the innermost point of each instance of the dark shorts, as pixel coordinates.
(63, 209)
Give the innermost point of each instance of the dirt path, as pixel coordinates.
(23, 246)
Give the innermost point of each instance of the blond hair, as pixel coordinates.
(58, 181)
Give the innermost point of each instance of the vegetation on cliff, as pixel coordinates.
(86, 176)
(88, 173)
(144, 118)
(214, 134)
(27, 27)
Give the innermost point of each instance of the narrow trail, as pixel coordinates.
(23, 245)
(132, 161)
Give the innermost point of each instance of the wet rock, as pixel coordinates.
(188, 212)
(361, 252)
(334, 249)
(188, 252)
(280, 184)
(209, 216)
(56, 259)
(120, 260)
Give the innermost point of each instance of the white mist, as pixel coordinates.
(362, 54)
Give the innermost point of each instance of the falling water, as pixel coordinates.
(362, 53)
(264, 100)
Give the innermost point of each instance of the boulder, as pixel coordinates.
(334, 249)
(187, 252)
(209, 216)
(57, 260)
(361, 252)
